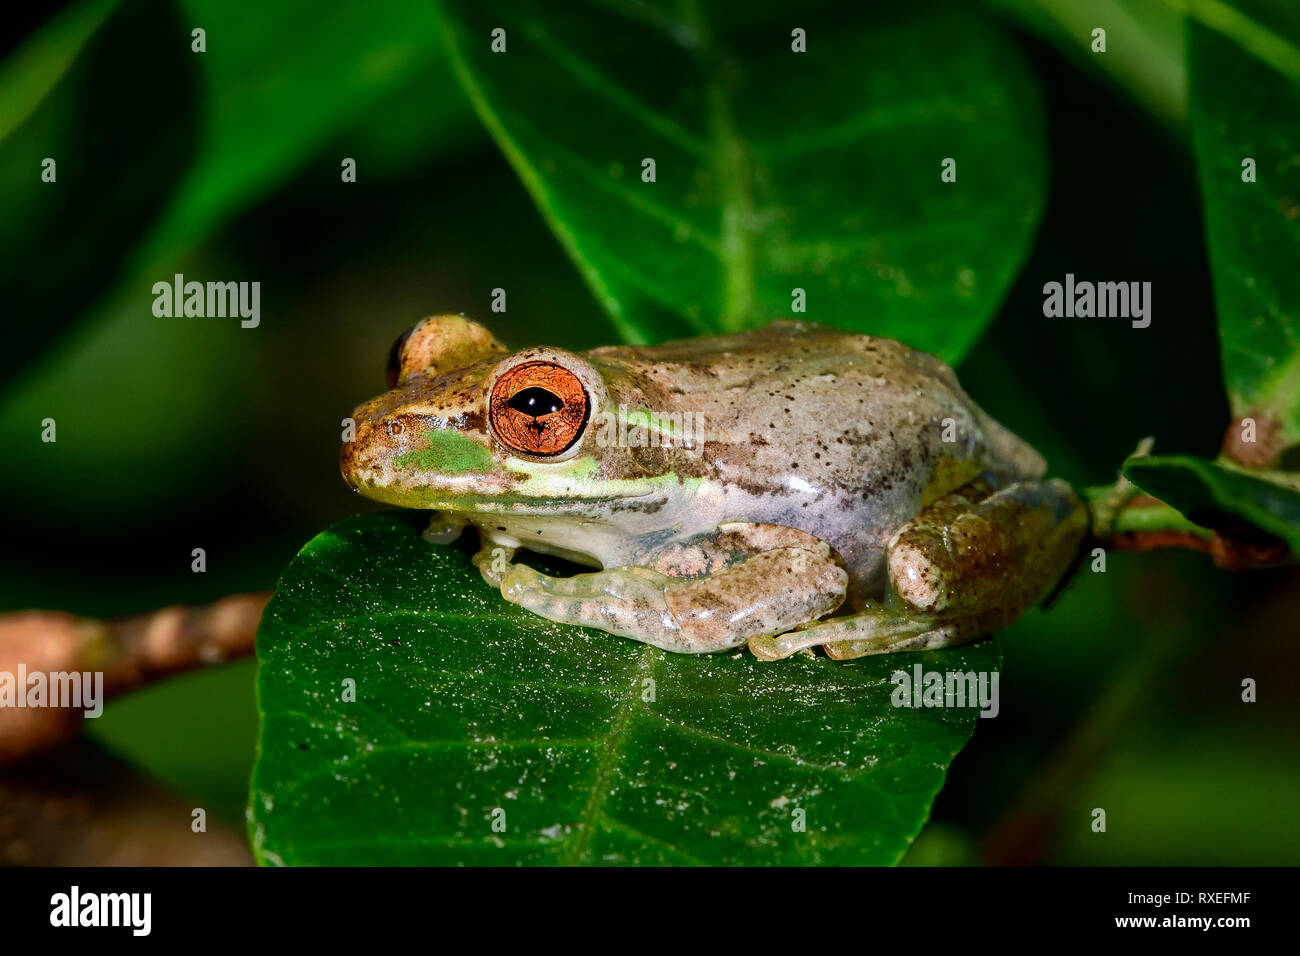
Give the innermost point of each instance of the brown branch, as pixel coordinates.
(129, 651)
(1231, 554)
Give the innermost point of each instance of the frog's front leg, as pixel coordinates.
(967, 565)
(765, 593)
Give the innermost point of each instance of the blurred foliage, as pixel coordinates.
(196, 733)
(1253, 227)
(1144, 56)
(180, 433)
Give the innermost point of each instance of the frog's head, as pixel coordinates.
(469, 427)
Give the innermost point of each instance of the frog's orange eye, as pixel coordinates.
(538, 408)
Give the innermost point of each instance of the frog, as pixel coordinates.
(791, 489)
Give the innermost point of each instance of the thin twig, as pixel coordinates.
(128, 651)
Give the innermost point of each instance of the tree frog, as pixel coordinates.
(790, 487)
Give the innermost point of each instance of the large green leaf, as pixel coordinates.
(1224, 498)
(775, 170)
(1242, 108)
(466, 704)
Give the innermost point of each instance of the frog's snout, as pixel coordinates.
(354, 453)
(371, 441)
(400, 453)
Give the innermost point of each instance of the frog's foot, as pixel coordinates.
(444, 528)
(873, 631)
(494, 561)
(767, 593)
(964, 567)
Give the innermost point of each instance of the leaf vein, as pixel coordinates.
(609, 757)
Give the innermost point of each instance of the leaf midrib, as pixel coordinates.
(734, 181)
(608, 758)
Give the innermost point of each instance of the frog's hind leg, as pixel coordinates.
(965, 566)
(765, 593)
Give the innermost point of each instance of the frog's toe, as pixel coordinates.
(873, 631)
(521, 583)
(618, 584)
(846, 650)
(546, 596)
(780, 646)
(443, 528)
(625, 601)
(891, 643)
(769, 648)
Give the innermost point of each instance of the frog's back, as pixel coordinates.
(837, 434)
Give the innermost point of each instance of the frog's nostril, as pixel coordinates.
(395, 427)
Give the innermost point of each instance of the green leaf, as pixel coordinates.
(1221, 497)
(1242, 108)
(775, 170)
(466, 704)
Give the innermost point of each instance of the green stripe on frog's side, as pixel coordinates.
(553, 480)
(581, 469)
(448, 453)
(556, 492)
(670, 425)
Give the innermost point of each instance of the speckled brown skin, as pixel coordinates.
(810, 437)
(969, 564)
(978, 548)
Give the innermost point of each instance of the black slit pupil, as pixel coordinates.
(535, 401)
